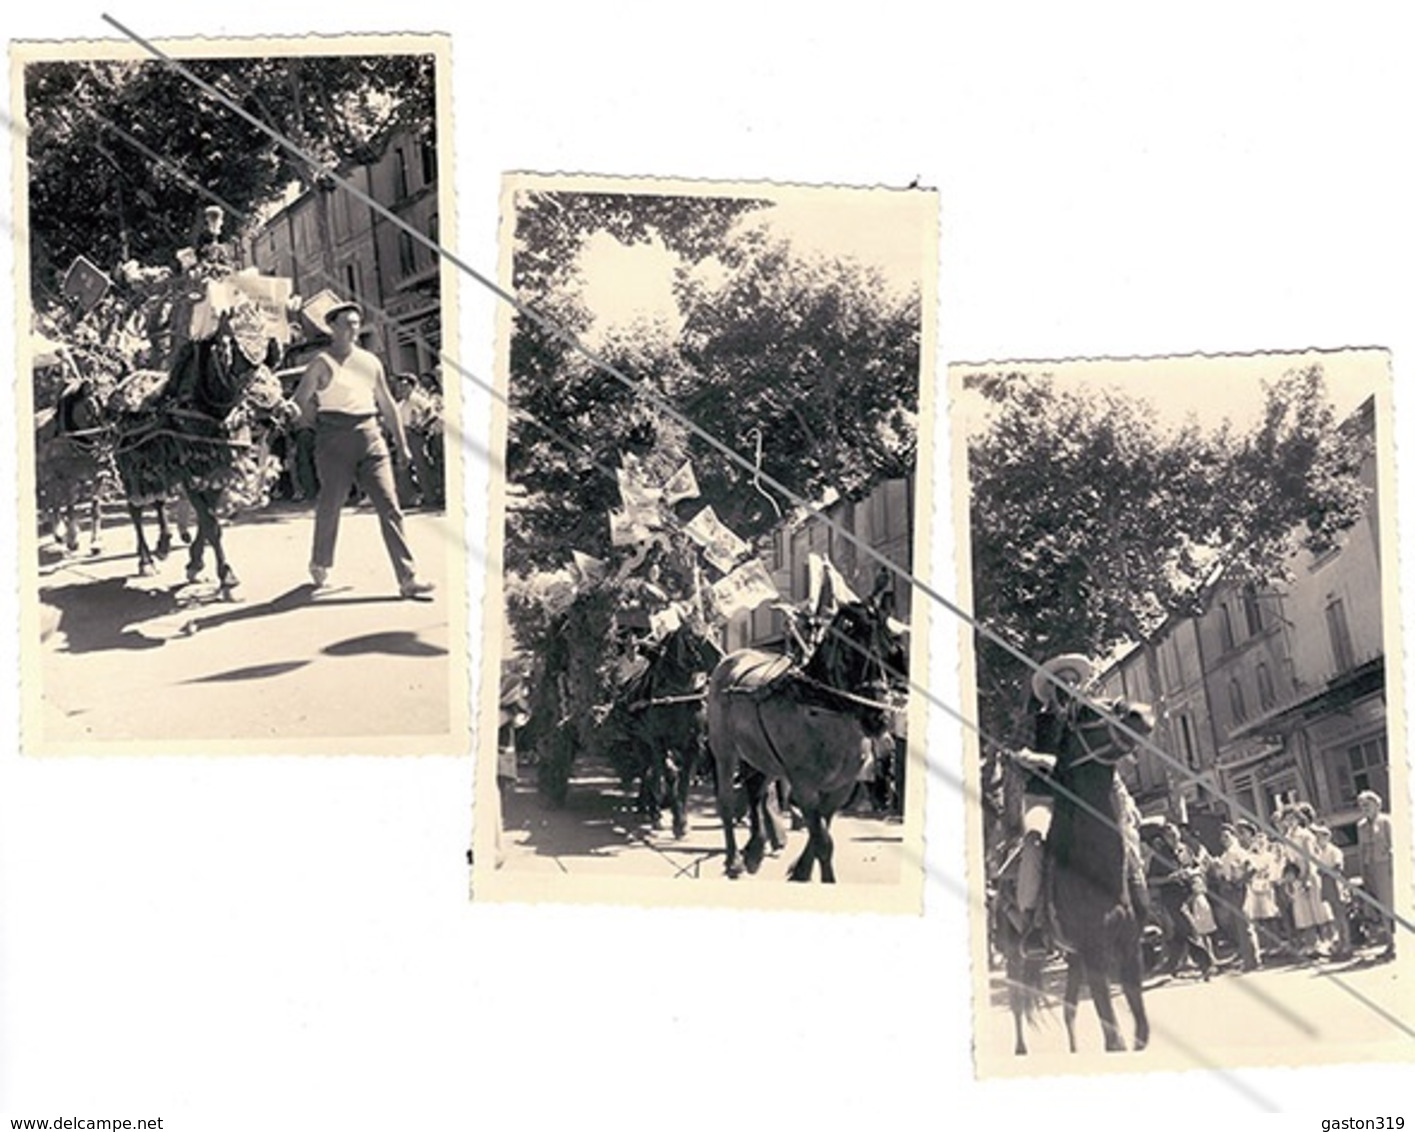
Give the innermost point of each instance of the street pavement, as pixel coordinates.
(131, 658)
(1331, 1011)
(598, 833)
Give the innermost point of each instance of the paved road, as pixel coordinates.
(1331, 1011)
(129, 658)
(598, 833)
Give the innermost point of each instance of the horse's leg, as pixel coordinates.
(145, 566)
(209, 530)
(1017, 992)
(196, 555)
(676, 775)
(1074, 970)
(825, 849)
(756, 784)
(71, 526)
(769, 814)
(1129, 968)
(95, 537)
(164, 533)
(1099, 982)
(805, 864)
(726, 763)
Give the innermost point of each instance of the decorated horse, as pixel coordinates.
(660, 714)
(74, 462)
(808, 725)
(197, 428)
(1096, 891)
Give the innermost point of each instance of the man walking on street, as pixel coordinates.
(349, 392)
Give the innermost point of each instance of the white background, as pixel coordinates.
(252, 943)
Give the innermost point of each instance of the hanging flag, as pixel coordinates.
(590, 568)
(682, 484)
(85, 284)
(664, 622)
(831, 591)
(623, 531)
(641, 502)
(745, 588)
(720, 546)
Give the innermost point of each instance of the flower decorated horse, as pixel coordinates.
(196, 428)
(74, 461)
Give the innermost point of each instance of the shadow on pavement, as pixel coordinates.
(399, 642)
(251, 672)
(94, 616)
(597, 820)
(292, 599)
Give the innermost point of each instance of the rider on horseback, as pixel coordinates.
(1049, 715)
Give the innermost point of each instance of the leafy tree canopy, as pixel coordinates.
(117, 149)
(1092, 522)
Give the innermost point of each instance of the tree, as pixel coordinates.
(817, 354)
(123, 155)
(1091, 523)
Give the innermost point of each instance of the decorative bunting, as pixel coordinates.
(682, 484)
(623, 531)
(720, 546)
(590, 568)
(745, 588)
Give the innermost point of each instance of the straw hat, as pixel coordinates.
(1070, 668)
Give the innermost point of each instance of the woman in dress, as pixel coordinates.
(1260, 903)
(1309, 913)
(1335, 893)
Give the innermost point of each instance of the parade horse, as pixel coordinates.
(1096, 894)
(190, 429)
(73, 462)
(661, 714)
(807, 725)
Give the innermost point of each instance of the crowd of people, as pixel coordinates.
(1271, 898)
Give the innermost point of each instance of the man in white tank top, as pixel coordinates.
(347, 392)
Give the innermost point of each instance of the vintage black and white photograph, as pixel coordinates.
(1185, 672)
(245, 519)
(700, 634)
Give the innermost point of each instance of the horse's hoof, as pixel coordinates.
(95, 550)
(194, 574)
(680, 828)
(733, 870)
(164, 547)
(146, 569)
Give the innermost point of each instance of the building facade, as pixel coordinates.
(328, 239)
(1271, 695)
(883, 521)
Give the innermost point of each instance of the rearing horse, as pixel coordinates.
(1092, 872)
(807, 725)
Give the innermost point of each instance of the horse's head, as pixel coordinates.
(684, 657)
(80, 408)
(862, 650)
(1107, 736)
(227, 363)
